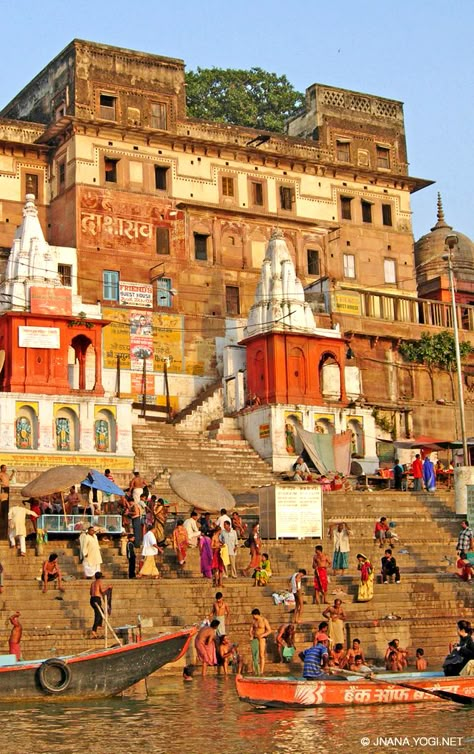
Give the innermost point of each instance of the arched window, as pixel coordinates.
(330, 377)
(81, 365)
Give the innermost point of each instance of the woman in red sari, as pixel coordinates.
(255, 550)
(180, 542)
(217, 565)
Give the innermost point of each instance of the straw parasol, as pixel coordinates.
(57, 479)
(201, 491)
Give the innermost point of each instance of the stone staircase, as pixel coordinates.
(222, 454)
(429, 600)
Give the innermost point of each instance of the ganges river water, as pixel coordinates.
(205, 717)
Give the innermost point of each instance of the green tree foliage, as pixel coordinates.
(253, 98)
(435, 351)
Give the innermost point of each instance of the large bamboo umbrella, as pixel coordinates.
(201, 491)
(57, 479)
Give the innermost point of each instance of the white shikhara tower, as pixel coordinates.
(279, 299)
(32, 262)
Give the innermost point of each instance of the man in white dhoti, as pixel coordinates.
(91, 552)
(17, 525)
(192, 529)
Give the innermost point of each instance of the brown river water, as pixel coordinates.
(205, 717)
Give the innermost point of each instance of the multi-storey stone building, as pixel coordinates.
(171, 216)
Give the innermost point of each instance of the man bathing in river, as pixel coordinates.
(259, 630)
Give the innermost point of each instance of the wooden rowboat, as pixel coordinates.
(96, 674)
(383, 689)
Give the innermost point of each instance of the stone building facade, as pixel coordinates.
(171, 217)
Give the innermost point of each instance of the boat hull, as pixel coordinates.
(302, 694)
(94, 675)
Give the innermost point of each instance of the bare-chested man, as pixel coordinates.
(205, 644)
(137, 483)
(51, 572)
(15, 635)
(259, 630)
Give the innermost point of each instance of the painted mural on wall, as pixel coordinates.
(292, 443)
(63, 434)
(24, 433)
(102, 436)
(324, 423)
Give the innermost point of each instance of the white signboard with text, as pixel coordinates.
(291, 510)
(136, 294)
(38, 337)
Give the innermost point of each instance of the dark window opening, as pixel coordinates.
(162, 240)
(286, 197)
(313, 261)
(110, 170)
(387, 214)
(62, 173)
(65, 274)
(161, 177)
(366, 212)
(200, 246)
(346, 211)
(257, 194)
(232, 299)
(108, 107)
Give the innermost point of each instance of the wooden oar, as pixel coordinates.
(448, 696)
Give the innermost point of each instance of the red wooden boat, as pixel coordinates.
(96, 674)
(384, 689)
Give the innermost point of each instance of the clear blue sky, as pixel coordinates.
(415, 51)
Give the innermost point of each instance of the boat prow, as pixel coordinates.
(97, 674)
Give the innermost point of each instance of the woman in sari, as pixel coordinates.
(180, 542)
(255, 546)
(205, 552)
(160, 514)
(366, 585)
(263, 573)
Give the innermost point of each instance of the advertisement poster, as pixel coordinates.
(130, 331)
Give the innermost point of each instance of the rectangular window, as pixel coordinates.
(349, 266)
(200, 246)
(31, 184)
(346, 211)
(161, 177)
(108, 107)
(162, 240)
(110, 285)
(65, 274)
(257, 194)
(110, 167)
(313, 261)
(389, 271)
(159, 115)
(343, 150)
(163, 292)
(383, 157)
(286, 197)
(387, 214)
(232, 300)
(227, 186)
(366, 211)
(62, 174)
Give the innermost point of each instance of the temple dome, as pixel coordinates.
(431, 247)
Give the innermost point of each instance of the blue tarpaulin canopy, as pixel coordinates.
(99, 481)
